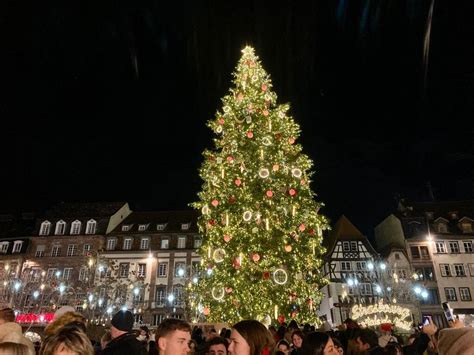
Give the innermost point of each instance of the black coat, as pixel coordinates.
(126, 344)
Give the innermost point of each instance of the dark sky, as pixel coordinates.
(108, 100)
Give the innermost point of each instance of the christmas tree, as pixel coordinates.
(262, 232)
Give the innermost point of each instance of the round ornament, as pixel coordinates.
(265, 113)
(230, 159)
(280, 276)
(220, 121)
(302, 227)
(227, 238)
(263, 173)
(215, 203)
(232, 200)
(254, 78)
(269, 193)
(266, 141)
(218, 255)
(311, 232)
(219, 129)
(266, 275)
(236, 263)
(296, 173)
(206, 311)
(276, 167)
(218, 293)
(247, 216)
(268, 97)
(228, 290)
(226, 109)
(211, 222)
(264, 87)
(237, 182)
(292, 192)
(281, 318)
(255, 257)
(250, 134)
(205, 209)
(291, 140)
(240, 97)
(288, 248)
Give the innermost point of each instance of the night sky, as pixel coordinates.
(108, 100)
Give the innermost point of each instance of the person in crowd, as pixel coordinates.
(421, 340)
(250, 337)
(222, 332)
(338, 346)
(290, 329)
(456, 340)
(173, 336)
(152, 346)
(11, 332)
(9, 348)
(318, 343)
(297, 341)
(386, 335)
(284, 347)
(70, 341)
(367, 342)
(392, 348)
(105, 339)
(144, 336)
(70, 319)
(217, 346)
(124, 340)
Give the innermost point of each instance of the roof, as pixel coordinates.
(386, 250)
(83, 209)
(172, 219)
(16, 225)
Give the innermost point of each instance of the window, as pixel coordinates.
(165, 243)
(35, 275)
(144, 243)
(127, 244)
(178, 295)
(141, 270)
(40, 251)
(442, 228)
(360, 265)
(440, 247)
(197, 241)
(185, 226)
(415, 252)
(163, 270)
(353, 246)
(345, 265)
(160, 295)
(56, 250)
(71, 250)
(365, 289)
(425, 273)
(17, 246)
(126, 227)
(124, 269)
(465, 294)
(195, 267)
(76, 227)
(142, 227)
(4, 247)
(83, 274)
(161, 227)
(425, 254)
(397, 256)
(445, 269)
(45, 228)
(91, 226)
(459, 270)
(60, 228)
(471, 269)
(454, 247)
(467, 247)
(402, 274)
(111, 243)
(433, 297)
(67, 273)
(346, 246)
(158, 318)
(179, 269)
(87, 249)
(51, 273)
(181, 242)
(450, 293)
(466, 227)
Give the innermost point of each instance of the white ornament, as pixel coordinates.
(248, 119)
(266, 141)
(254, 78)
(247, 216)
(218, 255)
(219, 160)
(226, 109)
(264, 173)
(218, 293)
(219, 129)
(296, 172)
(268, 97)
(205, 209)
(280, 276)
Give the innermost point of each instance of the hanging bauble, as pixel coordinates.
(227, 238)
(269, 193)
(219, 129)
(236, 263)
(250, 134)
(248, 119)
(303, 182)
(263, 173)
(218, 255)
(218, 293)
(254, 78)
(293, 314)
(276, 167)
(215, 203)
(211, 222)
(255, 257)
(288, 248)
(311, 232)
(267, 97)
(292, 192)
(309, 302)
(291, 140)
(237, 182)
(266, 141)
(265, 113)
(293, 296)
(265, 275)
(296, 173)
(280, 276)
(281, 318)
(278, 136)
(219, 160)
(205, 209)
(247, 216)
(206, 311)
(302, 227)
(264, 87)
(232, 200)
(220, 121)
(226, 109)
(230, 159)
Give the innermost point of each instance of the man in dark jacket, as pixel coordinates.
(124, 341)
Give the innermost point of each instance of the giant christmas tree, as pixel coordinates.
(261, 252)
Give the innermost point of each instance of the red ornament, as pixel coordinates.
(291, 140)
(211, 222)
(269, 194)
(281, 319)
(206, 311)
(293, 314)
(266, 275)
(237, 182)
(303, 181)
(236, 263)
(220, 121)
(264, 87)
(228, 290)
(311, 231)
(232, 200)
(302, 227)
(227, 238)
(309, 301)
(265, 113)
(215, 203)
(292, 192)
(230, 158)
(250, 134)
(255, 257)
(293, 296)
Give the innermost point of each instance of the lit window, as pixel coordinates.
(39, 251)
(141, 270)
(465, 294)
(45, 228)
(67, 273)
(87, 249)
(60, 228)
(161, 227)
(165, 243)
(185, 226)
(91, 226)
(142, 227)
(71, 250)
(459, 270)
(466, 227)
(162, 269)
(450, 293)
(126, 228)
(111, 243)
(197, 241)
(445, 270)
(181, 242)
(75, 227)
(144, 243)
(179, 269)
(127, 243)
(56, 250)
(345, 265)
(346, 246)
(17, 246)
(124, 269)
(83, 273)
(4, 247)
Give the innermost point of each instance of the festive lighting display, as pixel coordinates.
(381, 313)
(262, 231)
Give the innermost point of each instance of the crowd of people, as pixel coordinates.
(67, 335)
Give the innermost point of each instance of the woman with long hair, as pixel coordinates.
(250, 337)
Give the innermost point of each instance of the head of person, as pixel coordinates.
(144, 333)
(338, 346)
(121, 323)
(172, 337)
(67, 319)
(105, 339)
(250, 337)
(283, 346)
(318, 343)
(456, 341)
(217, 346)
(7, 315)
(393, 348)
(297, 338)
(8, 348)
(366, 339)
(67, 342)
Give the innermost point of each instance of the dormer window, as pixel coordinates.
(60, 228)
(45, 228)
(75, 227)
(17, 246)
(142, 227)
(91, 226)
(161, 226)
(442, 228)
(185, 226)
(4, 247)
(126, 227)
